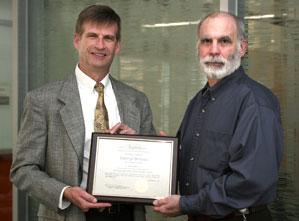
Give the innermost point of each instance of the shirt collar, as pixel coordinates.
(223, 83)
(87, 82)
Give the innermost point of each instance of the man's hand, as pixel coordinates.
(121, 128)
(162, 133)
(168, 206)
(82, 199)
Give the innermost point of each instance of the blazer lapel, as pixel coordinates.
(72, 116)
(129, 113)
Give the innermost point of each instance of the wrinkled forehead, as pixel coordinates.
(218, 26)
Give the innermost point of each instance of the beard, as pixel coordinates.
(221, 67)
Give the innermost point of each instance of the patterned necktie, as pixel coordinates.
(101, 122)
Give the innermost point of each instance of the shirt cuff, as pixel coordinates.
(63, 204)
(182, 204)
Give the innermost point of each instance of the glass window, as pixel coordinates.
(158, 56)
(158, 53)
(5, 76)
(273, 30)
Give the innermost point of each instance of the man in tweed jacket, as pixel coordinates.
(52, 149)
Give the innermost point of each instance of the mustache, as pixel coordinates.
(213, 59)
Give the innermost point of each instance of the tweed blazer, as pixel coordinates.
(49, 152)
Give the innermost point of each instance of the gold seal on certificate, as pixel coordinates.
(132, 168)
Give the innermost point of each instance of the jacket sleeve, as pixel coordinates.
(29, 163)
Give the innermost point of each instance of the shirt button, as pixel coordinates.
(203, 110)
(192, 158)
(197, 134)
(187, 184)
(213, 99)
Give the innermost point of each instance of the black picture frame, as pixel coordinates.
(122, 168)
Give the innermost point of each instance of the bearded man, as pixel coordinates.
(231, 136)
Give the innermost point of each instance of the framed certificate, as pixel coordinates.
(132, 168)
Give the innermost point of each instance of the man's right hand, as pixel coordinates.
(162, 133)
(82, 199)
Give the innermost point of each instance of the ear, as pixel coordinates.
(76, 40)
(243, 47)
(118, 46)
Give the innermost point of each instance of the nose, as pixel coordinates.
(214, 50)
(100, 43)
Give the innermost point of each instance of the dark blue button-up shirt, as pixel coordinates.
(231, 147)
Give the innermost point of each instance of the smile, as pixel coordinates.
(99, 54)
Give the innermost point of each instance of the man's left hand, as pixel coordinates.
(168, 206)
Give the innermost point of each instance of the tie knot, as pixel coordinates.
(99, 87)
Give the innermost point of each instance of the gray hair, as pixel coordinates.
(241, 35)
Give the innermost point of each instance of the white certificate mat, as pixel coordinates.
(132, 168)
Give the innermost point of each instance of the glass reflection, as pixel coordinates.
(161, 61)
(273, 48)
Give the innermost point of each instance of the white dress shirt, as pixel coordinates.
(88, 97)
